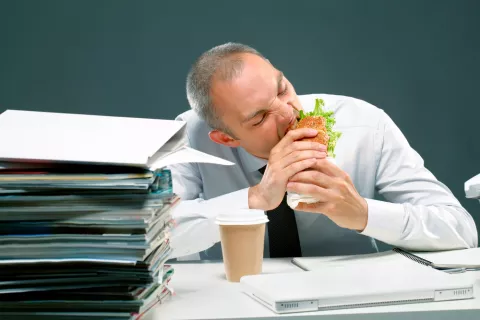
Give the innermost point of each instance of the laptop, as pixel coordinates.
(340, 287)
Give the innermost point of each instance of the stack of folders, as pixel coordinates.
(85, 211)
(83, 241)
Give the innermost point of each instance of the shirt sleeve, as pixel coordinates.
(421, 214)
(195, 229)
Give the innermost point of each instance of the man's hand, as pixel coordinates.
(286, 159)
(338, 198)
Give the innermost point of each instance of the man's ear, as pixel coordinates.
(223, 139)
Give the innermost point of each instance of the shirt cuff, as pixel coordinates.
(385, 221)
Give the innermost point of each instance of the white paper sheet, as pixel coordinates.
(472, 187)
(187, 154)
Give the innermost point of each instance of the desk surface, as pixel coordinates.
(202, 292)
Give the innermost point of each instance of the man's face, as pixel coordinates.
(258, 106)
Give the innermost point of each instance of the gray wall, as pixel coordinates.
(418, 60)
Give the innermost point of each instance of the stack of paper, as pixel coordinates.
(84, 228)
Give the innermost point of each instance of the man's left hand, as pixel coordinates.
(337, 196)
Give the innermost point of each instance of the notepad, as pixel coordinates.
(468, 259)
(449, 261)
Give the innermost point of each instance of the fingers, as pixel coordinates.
(298, 166)
(304, 145)
(294, 135)
(279, 153)
(299, 156)
(297, 134)
(330, 169)
(314, 177)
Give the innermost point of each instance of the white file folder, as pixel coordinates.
(33, 136)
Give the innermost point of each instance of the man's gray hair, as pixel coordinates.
(224, 60)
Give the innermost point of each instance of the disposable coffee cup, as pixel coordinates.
(242, 234)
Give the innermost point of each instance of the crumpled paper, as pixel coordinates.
(293, 199)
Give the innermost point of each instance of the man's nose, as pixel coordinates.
(286, 111)
(288, 108)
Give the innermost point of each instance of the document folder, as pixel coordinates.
(34, 136)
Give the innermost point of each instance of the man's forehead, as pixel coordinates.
(257, 67)
(253, 89)
(257, 83)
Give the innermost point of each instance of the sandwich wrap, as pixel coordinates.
(323, 122)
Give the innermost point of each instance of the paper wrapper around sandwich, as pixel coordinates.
(293, 199)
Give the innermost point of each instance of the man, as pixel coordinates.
(243, 110)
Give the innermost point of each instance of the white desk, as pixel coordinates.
(203, 293)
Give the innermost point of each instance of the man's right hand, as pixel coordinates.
(286, 159)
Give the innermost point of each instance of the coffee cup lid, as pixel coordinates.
(242, 217)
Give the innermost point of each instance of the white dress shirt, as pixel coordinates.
(420, 213)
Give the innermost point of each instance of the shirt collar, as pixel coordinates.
(249, 162)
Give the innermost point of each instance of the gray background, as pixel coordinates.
(417, 60)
